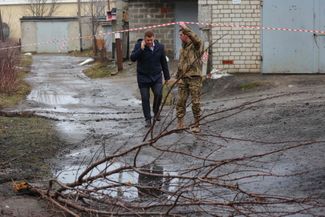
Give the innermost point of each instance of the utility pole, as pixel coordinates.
(79, 21)
(93, 20)
(108, 5)
(119, 52)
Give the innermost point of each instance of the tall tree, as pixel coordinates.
(42, 8)
(95, 9)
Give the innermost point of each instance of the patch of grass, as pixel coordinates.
(12, 99)
(249, 86)
(85, 53)
(99, 70)
(26, 61)
(22, 88)
(28, 144)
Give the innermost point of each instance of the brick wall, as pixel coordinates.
(150, 12)
(240, 50)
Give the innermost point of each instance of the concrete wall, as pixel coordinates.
(29, 30)
(240, 50)
(150, 12)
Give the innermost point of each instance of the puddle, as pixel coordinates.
(50, 97)
(72, 132)
(70, 173)
(87, 111)
(131, 178)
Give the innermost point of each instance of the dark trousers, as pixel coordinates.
(156, 88)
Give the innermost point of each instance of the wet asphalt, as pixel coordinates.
(102, 116)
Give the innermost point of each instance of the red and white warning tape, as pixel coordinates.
(61, 44)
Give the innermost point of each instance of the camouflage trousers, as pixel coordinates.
(189, 86)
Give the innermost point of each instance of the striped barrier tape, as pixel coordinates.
(61, 44)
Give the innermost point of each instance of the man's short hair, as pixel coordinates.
(149, 34)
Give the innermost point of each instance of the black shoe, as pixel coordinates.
(157, 117)
(148, 123)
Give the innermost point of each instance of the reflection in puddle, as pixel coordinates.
(134, 185)
(70, 174)
(150, 180)
(72, 132)
(51, 97)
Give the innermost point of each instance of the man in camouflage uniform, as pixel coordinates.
(189, 73)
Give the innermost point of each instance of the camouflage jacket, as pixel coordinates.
(190, 63)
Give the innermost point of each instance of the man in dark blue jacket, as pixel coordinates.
(151, 61)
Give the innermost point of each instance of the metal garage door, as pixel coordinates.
(293, 52)
(52, 37)
(320, 38)
(185, 11)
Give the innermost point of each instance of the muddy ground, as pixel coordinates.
(78, 115)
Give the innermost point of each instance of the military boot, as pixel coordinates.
(180, 123)
(196, 126)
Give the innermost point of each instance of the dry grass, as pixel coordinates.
(85, 53)
(10, 99)
(249, 86)
(100, 70)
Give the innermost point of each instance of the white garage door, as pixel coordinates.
(52, 37)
